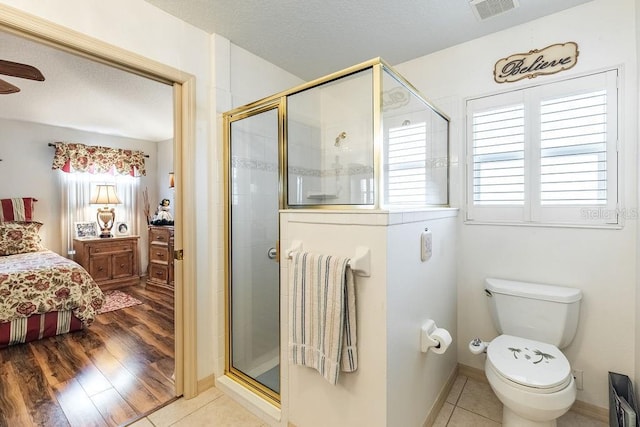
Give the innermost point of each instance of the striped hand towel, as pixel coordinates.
(322, 314)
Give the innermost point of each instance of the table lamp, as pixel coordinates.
(105, 195)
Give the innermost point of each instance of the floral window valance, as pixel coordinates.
(73, 157)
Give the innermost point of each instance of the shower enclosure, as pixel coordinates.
(362, 138)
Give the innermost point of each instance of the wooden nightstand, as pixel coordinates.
(161, 258)
(112, 262)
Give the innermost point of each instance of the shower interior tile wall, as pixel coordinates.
(330, 139)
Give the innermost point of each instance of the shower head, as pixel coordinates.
(340, 137)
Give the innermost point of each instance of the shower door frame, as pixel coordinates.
(229, 118)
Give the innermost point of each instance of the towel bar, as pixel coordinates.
(360, 263)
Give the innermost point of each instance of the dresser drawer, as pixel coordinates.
(160, 235)
(109, 248)
(159, 253)
(159, 272)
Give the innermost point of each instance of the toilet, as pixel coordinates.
(524, 366)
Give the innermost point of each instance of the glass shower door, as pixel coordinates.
(254, 291)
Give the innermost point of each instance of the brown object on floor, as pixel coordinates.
(112, 262)
(105, 375)
(161, 258)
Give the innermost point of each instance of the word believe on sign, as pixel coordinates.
(550, 60)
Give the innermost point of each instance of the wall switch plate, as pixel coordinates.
(426, 245)
(577, 376)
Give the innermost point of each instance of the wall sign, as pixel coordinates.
(550, 60)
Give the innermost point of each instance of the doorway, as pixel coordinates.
(42, 31)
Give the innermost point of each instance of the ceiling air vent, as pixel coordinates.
(484, 9)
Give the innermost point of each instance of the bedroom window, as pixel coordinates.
(82, 168)
(545, 154)
(76, 194)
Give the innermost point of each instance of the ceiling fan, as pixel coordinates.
(15, 69)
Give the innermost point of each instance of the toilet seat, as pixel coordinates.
(533, 365)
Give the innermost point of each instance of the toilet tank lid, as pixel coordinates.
(539, 291)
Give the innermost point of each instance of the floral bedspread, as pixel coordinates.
(43, 281)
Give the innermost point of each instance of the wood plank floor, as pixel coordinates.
(116, 370)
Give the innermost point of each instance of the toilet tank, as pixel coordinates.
(539, 312)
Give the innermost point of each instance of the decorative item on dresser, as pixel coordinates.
(160, 258)
(113, 263)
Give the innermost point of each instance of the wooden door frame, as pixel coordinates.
(32, 27)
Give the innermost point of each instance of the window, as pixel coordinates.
(545, 154)
(76, 190)
(407, 164)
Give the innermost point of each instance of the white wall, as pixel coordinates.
(395, 384)
(418, 291)
(26, 171)
(637, 348)
(359, 398)
(600, 262)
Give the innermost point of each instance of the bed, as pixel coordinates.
(42, 294)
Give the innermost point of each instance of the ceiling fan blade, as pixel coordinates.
(6, 88)
(23, 71)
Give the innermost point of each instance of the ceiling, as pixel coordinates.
(82, 94)
(308, 38)
(313, 38)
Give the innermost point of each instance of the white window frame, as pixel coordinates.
(532, 212)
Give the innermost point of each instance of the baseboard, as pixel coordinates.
(473, 373)
(206, 383)
(441, 399)
(579, 407)
(591, 411)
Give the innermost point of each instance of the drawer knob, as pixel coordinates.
(121, 265)
(158, 273)
(100, 268)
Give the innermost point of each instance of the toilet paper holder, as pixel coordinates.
(426, 340)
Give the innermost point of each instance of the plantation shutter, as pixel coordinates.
(498, 156)
(407, 158)
(496, 129)
(545, 154)
(578, 157)
(573, 150)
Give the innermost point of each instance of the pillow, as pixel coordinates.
(19, 237)
(17, 209)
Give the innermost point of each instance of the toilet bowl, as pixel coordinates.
(524, 366)
(532, 379)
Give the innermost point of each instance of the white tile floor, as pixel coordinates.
(209, 408)
(473, 403)
(470, 403)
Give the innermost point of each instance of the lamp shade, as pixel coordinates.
(105, 194)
